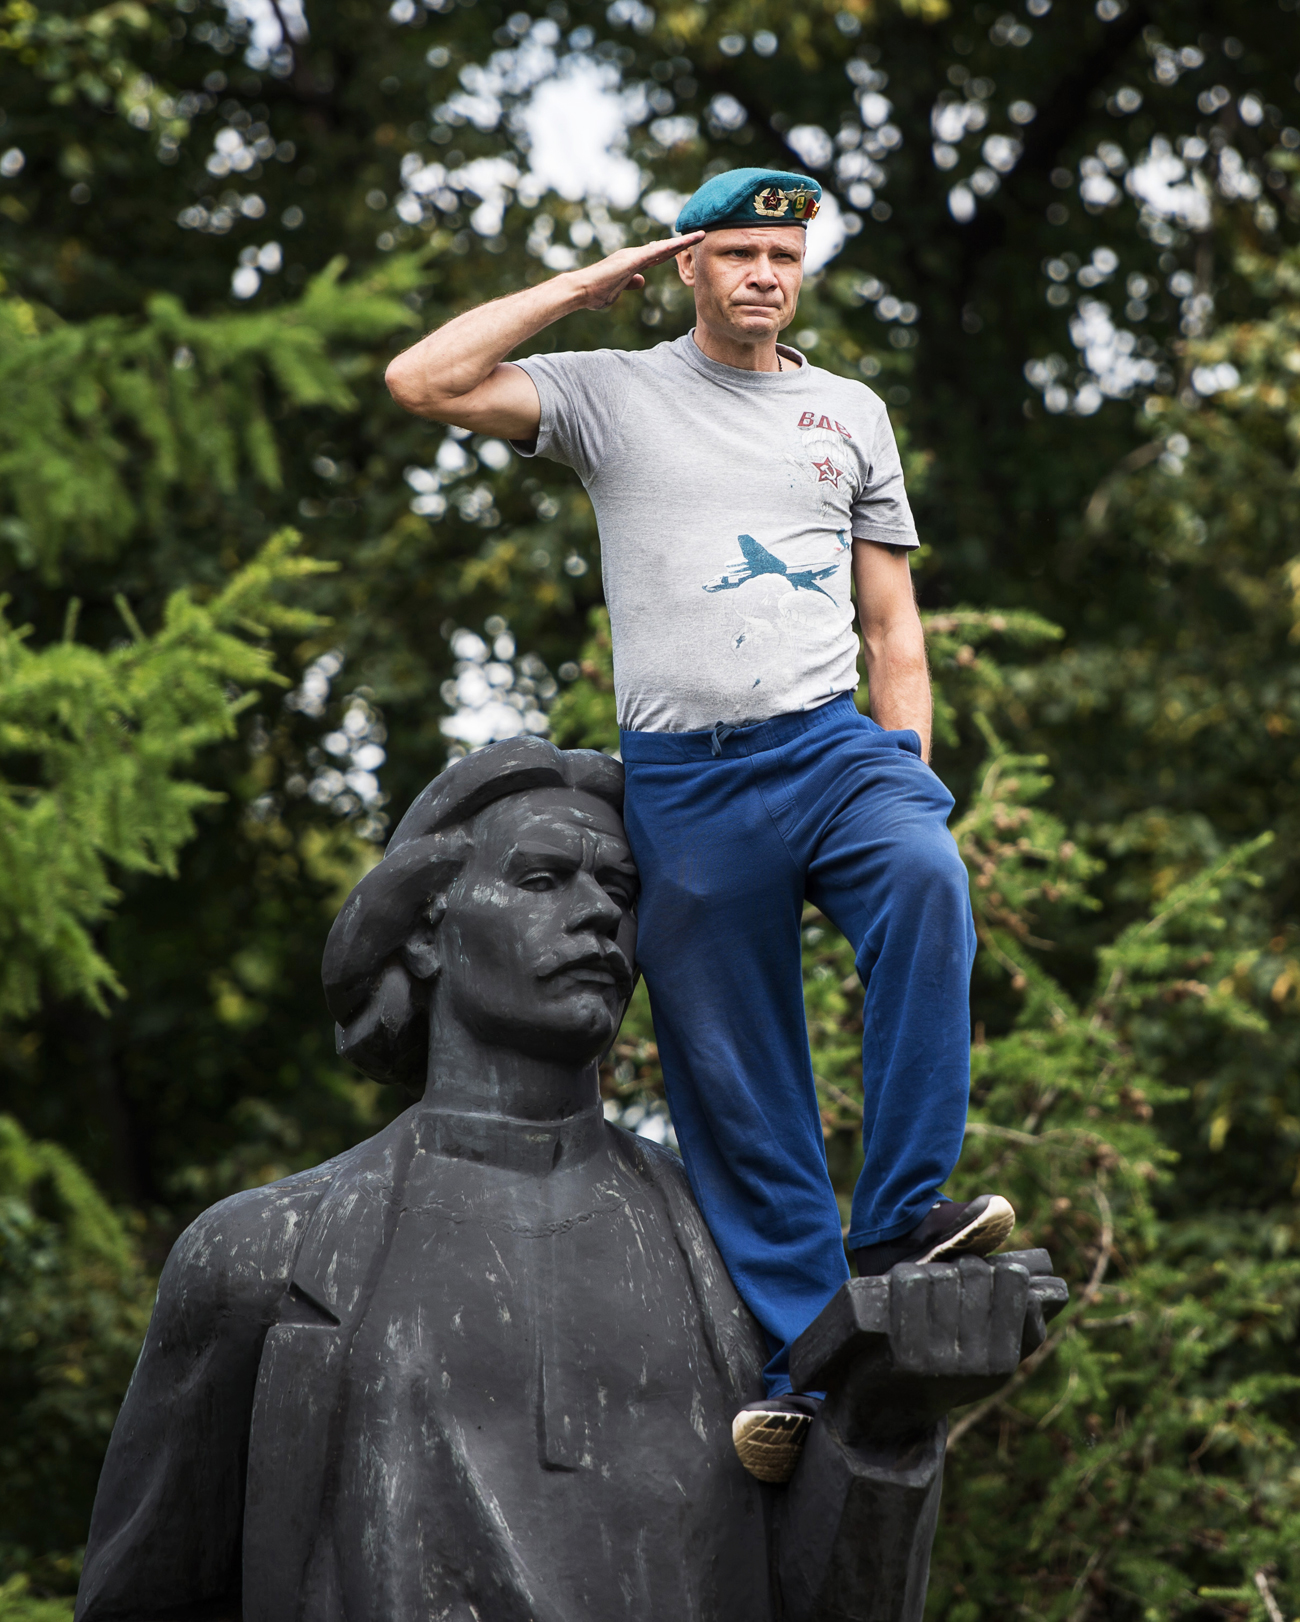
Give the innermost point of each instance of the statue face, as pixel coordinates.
(537, 943)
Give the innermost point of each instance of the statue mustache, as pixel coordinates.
(606, 958)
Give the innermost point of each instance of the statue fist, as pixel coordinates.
(895, 1353)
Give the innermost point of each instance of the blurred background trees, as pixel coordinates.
(1061, 242)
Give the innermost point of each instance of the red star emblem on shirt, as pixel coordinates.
(828, 473)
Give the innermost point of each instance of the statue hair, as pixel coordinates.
(380, 1009)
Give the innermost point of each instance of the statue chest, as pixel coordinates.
(530, 1393)
(555, 1314)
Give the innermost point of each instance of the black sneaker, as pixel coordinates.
(949, 1229)
(769, 1436)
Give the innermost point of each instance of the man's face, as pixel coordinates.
(537, 943)
(746, 281)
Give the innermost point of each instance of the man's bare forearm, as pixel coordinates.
(893, 642)
(436, 374)
(899, 679)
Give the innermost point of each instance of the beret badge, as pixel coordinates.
(774, 202)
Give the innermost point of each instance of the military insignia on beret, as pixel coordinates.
(771, 202)
(774, 202)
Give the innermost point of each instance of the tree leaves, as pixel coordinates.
(111, 420)
(99, 739)
(74, 1302)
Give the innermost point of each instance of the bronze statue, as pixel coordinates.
(482, 1367)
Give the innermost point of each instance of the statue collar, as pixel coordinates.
(534, 1148)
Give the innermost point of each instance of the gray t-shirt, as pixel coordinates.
(727, 503)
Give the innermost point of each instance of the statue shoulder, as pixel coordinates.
(234, 1263)
(658, 1162)
(165, 1538)
(237, 1257)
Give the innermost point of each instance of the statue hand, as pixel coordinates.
(895, 1353)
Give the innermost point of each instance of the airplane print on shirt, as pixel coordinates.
(758, 561)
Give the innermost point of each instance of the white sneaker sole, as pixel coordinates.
(769, 1444)
(981, 1235)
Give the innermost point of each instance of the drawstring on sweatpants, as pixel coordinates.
(721, 732)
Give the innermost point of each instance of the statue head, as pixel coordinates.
(503, 908)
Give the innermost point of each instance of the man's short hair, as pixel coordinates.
(380, 1009)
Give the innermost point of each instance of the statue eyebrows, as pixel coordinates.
(613, 859)
(561, 849)
(557, 847)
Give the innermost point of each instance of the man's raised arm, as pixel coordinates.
(456, 374)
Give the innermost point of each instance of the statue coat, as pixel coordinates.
(473, 1370)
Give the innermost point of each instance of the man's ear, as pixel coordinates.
(420, 952)
(686, 266)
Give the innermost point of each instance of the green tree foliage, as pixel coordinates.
(1069, 267)
(18, 1603)
(188, 392)
(103, 734)
(74, 1301)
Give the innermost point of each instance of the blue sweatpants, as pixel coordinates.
(823, 805)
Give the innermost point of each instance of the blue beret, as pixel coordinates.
(750, 197)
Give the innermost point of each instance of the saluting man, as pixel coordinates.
(743, 496)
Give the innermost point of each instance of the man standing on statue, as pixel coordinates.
(743, 496)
